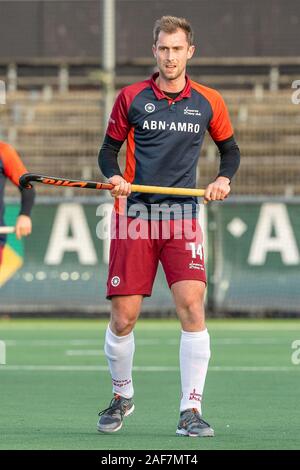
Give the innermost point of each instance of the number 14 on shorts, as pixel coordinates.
(197, 250)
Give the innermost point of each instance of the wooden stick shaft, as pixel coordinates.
(6, 230)
(136, 188)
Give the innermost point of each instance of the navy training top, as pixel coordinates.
(164, 137)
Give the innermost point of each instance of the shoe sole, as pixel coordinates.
(128, 413)
(204, 433)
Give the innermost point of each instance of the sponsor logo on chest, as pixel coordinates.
(191, 112)
(171, 126)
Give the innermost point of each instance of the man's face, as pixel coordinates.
(172, 52)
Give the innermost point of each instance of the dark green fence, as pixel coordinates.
(256, 262)
(252, 248)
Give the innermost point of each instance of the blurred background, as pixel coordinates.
(62, 62)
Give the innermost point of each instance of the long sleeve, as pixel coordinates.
(230, 157)
(108, 157)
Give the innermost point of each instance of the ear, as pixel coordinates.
(154, 50)
(191, 52)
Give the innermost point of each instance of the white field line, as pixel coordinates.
(52, 342)
(141, 342)
(236, 341)
(281, 326)
(84, 368)
(76, 342)
(84, 352)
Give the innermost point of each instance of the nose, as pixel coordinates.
(170, 55)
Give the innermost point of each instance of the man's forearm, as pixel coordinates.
(230, 158)
(108, 157)
(27, 201)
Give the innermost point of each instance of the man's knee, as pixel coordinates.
(123, 316)
(191, 304)
(191, 313)
(122, 326)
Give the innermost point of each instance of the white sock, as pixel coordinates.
(194, 357)
(119, 351)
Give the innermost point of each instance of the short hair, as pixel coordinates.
(170, 24)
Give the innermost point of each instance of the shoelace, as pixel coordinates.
(114, 405)
(193, 416)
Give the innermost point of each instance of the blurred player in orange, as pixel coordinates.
(12, 167)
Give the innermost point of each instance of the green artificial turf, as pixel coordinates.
(251, 397)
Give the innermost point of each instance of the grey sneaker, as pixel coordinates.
(191, 424)
(111, 419)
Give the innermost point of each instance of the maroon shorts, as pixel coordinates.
(138, 245)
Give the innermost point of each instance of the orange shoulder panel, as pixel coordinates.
(220, 126)
(12, 163)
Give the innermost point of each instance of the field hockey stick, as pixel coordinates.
(7, 230)
(26, 180)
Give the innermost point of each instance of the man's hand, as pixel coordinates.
(218, 190)
(23, 226)
(122, 188)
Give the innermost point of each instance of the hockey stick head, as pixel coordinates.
(27, 178)
(24, 181)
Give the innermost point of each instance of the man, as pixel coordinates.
(164, 120)
(12, 167)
